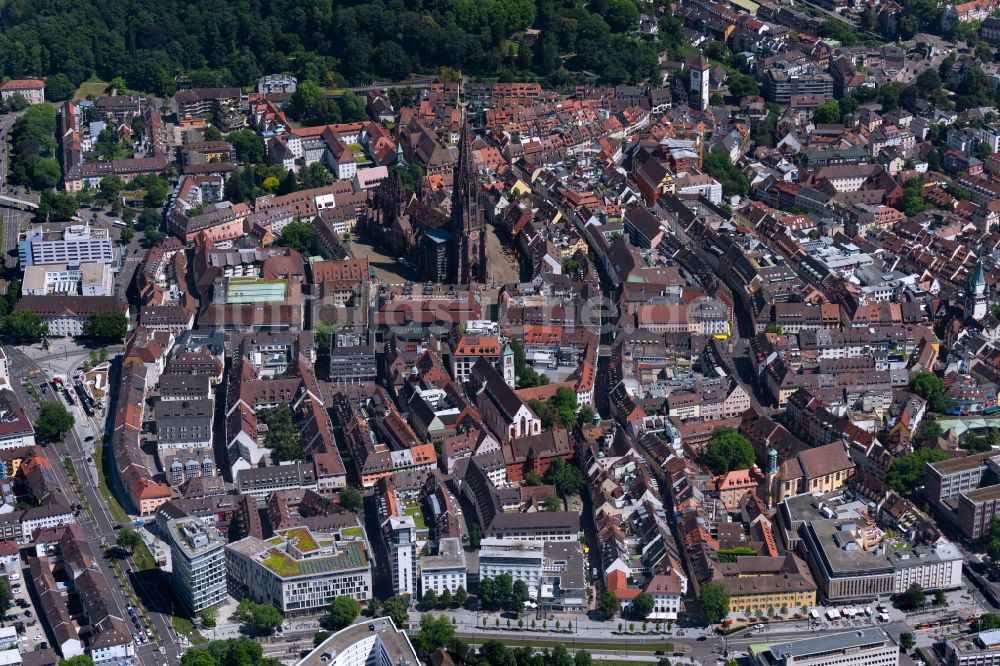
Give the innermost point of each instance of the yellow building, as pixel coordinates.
(765, 585)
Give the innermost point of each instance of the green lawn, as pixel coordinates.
(352, 532)
(117, 512)
(94, 86)
(182, 625)
(143, 558)
(417, 513)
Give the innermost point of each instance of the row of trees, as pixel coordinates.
(234, 42)
(446, 599)
(27, 327)
(503, 592)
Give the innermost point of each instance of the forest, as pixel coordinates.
(331, 42)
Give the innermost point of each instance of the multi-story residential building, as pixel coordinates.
(949, 478)
(553, 572)
(277, 83)
(446, 570)
(864, 647)
(976, 510)
(71, 246)
(368, 643)
(934, 567)
(199, 564)
(66, 315)
(299, 571)
(780, 87)
(184, 424)
(16, 430)
(759, 583)
(400, 536)
(32, 90)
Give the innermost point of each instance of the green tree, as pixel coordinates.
(58, 88)
(350, 498)
(608, 605)
(906, 473)
(343, 611)
(719, 166)
(212, 133)
(260, 619)
(714, 601)
(495, 653)
(906, 641)
(128, 539)
(106, 327)
(929, 429)
(642, 605)
(461, 596)
(5, 594)
(519, 595)
(566, 477)
(728, 450)
(45, 173)
(435, 632)
(53, 420)
(827, 113)
(249, 146)
(397, 608)
(939, 598)
(552, 503)
(930, 387)
(985, 622)
(912, 598)
(446, 599)
(127, 235)
(24, 327)
(299, 236)
(80, 659)
(320, 637)
(284, 436)
(209, 617)
(430, 599)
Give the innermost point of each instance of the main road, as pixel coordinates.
(100, 530)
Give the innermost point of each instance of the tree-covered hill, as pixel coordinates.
(223, 42)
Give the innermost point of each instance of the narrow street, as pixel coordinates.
(103, 532)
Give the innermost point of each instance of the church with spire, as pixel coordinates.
(445, 239)
(468, 225)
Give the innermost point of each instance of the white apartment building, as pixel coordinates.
(75, 245)
(446, 570)
(90, 279)
(400, 534)
(863, 647)
(935, 568)
(298, 571)
(370, 643)
(199, 564)
(521, 559)
(553, 571)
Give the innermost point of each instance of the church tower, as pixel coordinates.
(507, 366)
(468, 228)
(699, 79)
(976, 298)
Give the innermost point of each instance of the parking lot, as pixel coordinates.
(23, 615)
